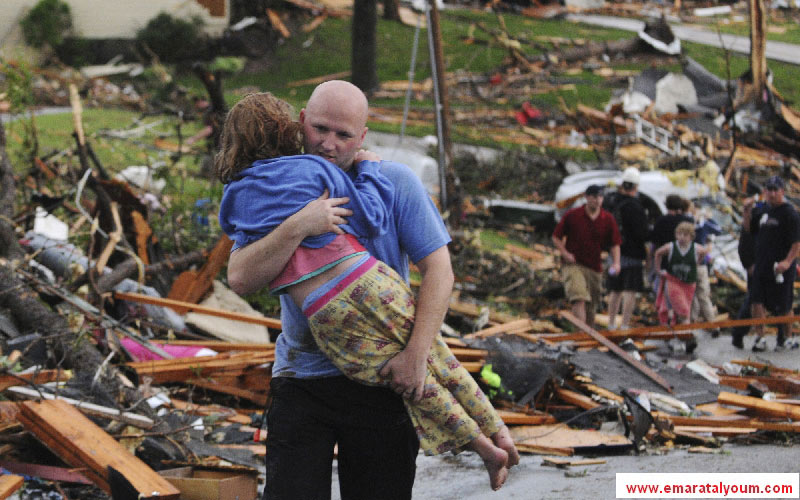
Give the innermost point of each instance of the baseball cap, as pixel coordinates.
(594, 190)
(631, 174)
(774, 182)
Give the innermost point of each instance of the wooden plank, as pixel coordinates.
(539, 261)
(760, 406)
(475, 311)
(520, 325)
(81, 443)
(469, 354)
(275, 21)
(576, 398)
(544, 450)
(178, 370)
(179, 305)
(618, 335)
(86, 407)
(48, 472)
(775, 384)
(224, 413)
(40, 377)
(603, 392)
(561, 462)
(617, 350)
(9, 484)
(473, 366)
(773, 370)
(717, 431)
(707, 325)
(561, 436)
(192, 286)
(517, 418)
(222, 345)
(342, 75)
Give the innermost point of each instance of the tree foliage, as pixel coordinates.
(173, 39)
(47, 23)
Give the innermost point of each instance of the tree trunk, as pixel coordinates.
(391, 10)
(364, 68)
(9, 247)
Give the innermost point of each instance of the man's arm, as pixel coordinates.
(616, 266)
(747, 213)
(794, 251)
(560, 244)
(252, 267)
(407, 370)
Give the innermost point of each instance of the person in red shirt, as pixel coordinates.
(581, 236)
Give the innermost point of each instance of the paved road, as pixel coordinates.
(778, 51)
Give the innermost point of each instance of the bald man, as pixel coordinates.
(313, 406)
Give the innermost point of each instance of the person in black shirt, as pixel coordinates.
(747, 255)
(633, 225)
(777, 239)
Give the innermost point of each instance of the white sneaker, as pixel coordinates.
(788, 344)
(760, 345)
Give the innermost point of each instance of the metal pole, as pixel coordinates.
(429, 6)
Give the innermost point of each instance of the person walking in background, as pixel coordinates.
(581, 236)
(747, 255)
(632, 221)
(679, 276)
(663, 232)
(706, 229)
(776, 229)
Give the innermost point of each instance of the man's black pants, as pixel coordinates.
(377, 445)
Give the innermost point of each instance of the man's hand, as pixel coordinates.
(323, 215)
(614, 269)
(406, 373)
(568, 257)
(782, 266)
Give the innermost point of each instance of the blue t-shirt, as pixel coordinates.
(415, 231)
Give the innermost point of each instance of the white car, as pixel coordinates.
(654, 187)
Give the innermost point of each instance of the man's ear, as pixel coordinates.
(302, 117)
(363, 135)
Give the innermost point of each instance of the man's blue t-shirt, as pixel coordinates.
(416, 231)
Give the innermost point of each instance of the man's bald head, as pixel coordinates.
(343, 94)
(334, 122)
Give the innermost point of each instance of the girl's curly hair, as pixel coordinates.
(258, 127)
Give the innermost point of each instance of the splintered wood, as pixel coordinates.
(82, 444)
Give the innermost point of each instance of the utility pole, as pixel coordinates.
(449, 185)
(758, 46)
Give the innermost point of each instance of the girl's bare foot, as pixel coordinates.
(494, 458)
(502, 439)
(496, 466)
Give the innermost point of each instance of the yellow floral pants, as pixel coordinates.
(364, 321)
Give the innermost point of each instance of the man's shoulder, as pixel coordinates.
(575, 212)
(407, 184)
(606, 215)
(395, 169)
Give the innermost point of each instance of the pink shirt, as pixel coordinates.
(308, 262)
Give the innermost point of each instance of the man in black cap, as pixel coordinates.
(581, 236)
(776, 229)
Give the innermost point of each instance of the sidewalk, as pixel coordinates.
(778, 51)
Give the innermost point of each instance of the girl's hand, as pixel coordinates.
(364, 155)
